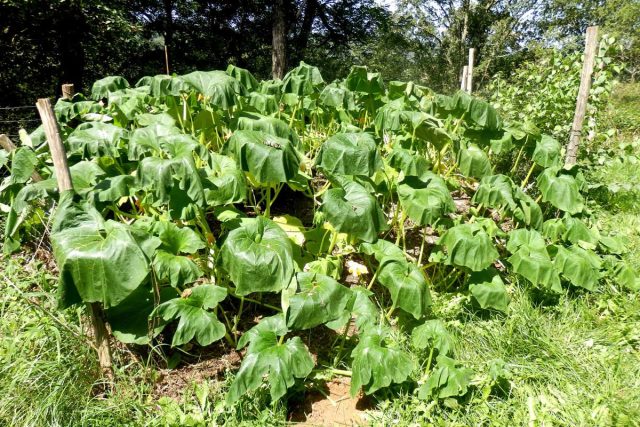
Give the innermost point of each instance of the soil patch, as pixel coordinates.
(330, 404)
(206, 364)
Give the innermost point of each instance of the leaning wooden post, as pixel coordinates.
(463, 82)
(590, 47)
(68, 91)
(63, 176)
(6, 143)
(472, 56)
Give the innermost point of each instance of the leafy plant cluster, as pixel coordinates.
(179, 221)
(544, 90)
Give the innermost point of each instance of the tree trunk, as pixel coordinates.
(279, 37)
(310, 9)
(72, 28)
(168, 31)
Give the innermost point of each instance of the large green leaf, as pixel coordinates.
(359, 80)
(577, 231)
(318, 299)
(561, 190)
(99, 261)
(178, 270)
(224, 183)
(263, 103)
(407, 284)
(483, 114)
(488, 290)
(433, 334)
(547, 152)
(495, 191)
(23, 164)
(473, 161)
(103, 87)
(361, 307)
(528, 211)
(157, 139)
(269, 159)
(218, 88)
(280, 363)
(581, 267)
(129, 320)
(258, 256)
(174, 182)
(244, 77)
(528, 238)
(466, 245)
(353, 210)
(266, 124)
(403, 160)
(349, 154)
(536, 266)
(446, 380)
(382, 249)
(95, 139)
(375, 365)
(114, 188)
(302, 80)
(425, 199)
(194, 318)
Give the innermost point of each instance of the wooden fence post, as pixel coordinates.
(590, 46)
(463, 82)
(68, 91)
(472, 56)
(101, 335)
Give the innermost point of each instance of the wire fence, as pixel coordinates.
(14, 118)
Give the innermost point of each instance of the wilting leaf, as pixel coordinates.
(433, 334)
(266, 357)
(353, 210)
(267, 158)
(547, 152)
(318, 299)
(467, 245)
(195, 319)
(407, 284)
(560, 190)
(375, 365)
(488, 290)
(219, 88)
(425, 199)
(349, 154)
(99, 260)
(579, 266)
(258, 257)
(446, 380)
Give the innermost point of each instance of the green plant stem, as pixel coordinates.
(339, 372)
(230, 339)
(343, 338)
(515, 165)
(334, 240)
(281, 340)
(253, 301)
(390, 312)
(526, 179)
(422, 246)
(237, 316)
(373, 279)
(267, 211)
(430, 359)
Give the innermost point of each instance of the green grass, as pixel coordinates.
(575, 362)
